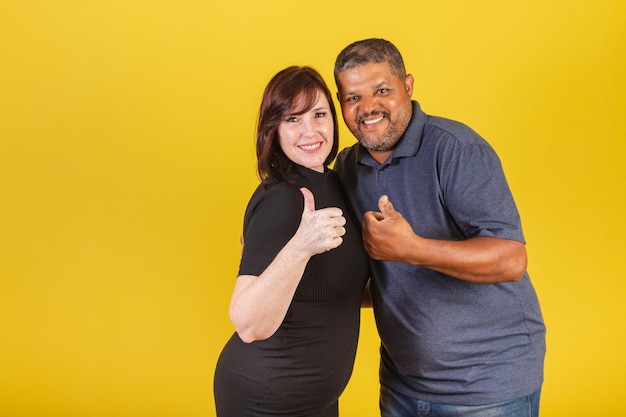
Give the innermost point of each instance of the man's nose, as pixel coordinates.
(368, 104)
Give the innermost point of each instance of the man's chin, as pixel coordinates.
(373, 144)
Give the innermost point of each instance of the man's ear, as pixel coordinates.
(408, 84)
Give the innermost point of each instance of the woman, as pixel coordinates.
(296, 302)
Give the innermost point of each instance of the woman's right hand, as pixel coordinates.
(319, 230)
(259, 304)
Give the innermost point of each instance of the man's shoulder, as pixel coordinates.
(452, 129)
(346, 158)
(349, 150)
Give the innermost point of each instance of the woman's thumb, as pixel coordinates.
(309, 199)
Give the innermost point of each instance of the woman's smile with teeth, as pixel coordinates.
(311, 147)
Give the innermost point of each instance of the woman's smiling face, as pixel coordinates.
(307, 138)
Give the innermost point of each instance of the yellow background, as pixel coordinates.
(127, 158)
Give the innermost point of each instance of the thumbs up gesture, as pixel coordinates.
(387, 235)
(319, 230)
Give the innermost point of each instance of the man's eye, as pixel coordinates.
(352, 98)
(382, 91)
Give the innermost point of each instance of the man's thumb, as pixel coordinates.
(385, 206)
(309, 200)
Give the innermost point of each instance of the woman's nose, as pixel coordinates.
(307, 127)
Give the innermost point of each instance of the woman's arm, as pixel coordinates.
(259, 304)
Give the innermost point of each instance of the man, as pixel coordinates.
(460, 324)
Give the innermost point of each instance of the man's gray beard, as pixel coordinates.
(388, 142)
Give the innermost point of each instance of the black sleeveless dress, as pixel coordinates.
(303, 368)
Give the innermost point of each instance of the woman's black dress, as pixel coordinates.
(303, 368)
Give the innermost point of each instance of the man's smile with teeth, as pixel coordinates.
(370, 122)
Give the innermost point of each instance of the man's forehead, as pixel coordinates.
(356, 85)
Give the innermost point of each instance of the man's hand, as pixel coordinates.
(387, 236)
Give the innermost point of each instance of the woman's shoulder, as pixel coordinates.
(282, 197)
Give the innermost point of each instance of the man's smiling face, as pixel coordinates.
(376, 106)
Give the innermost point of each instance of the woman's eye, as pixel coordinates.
(291, 119)
(320, 114)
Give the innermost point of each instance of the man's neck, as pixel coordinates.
(380, 156)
